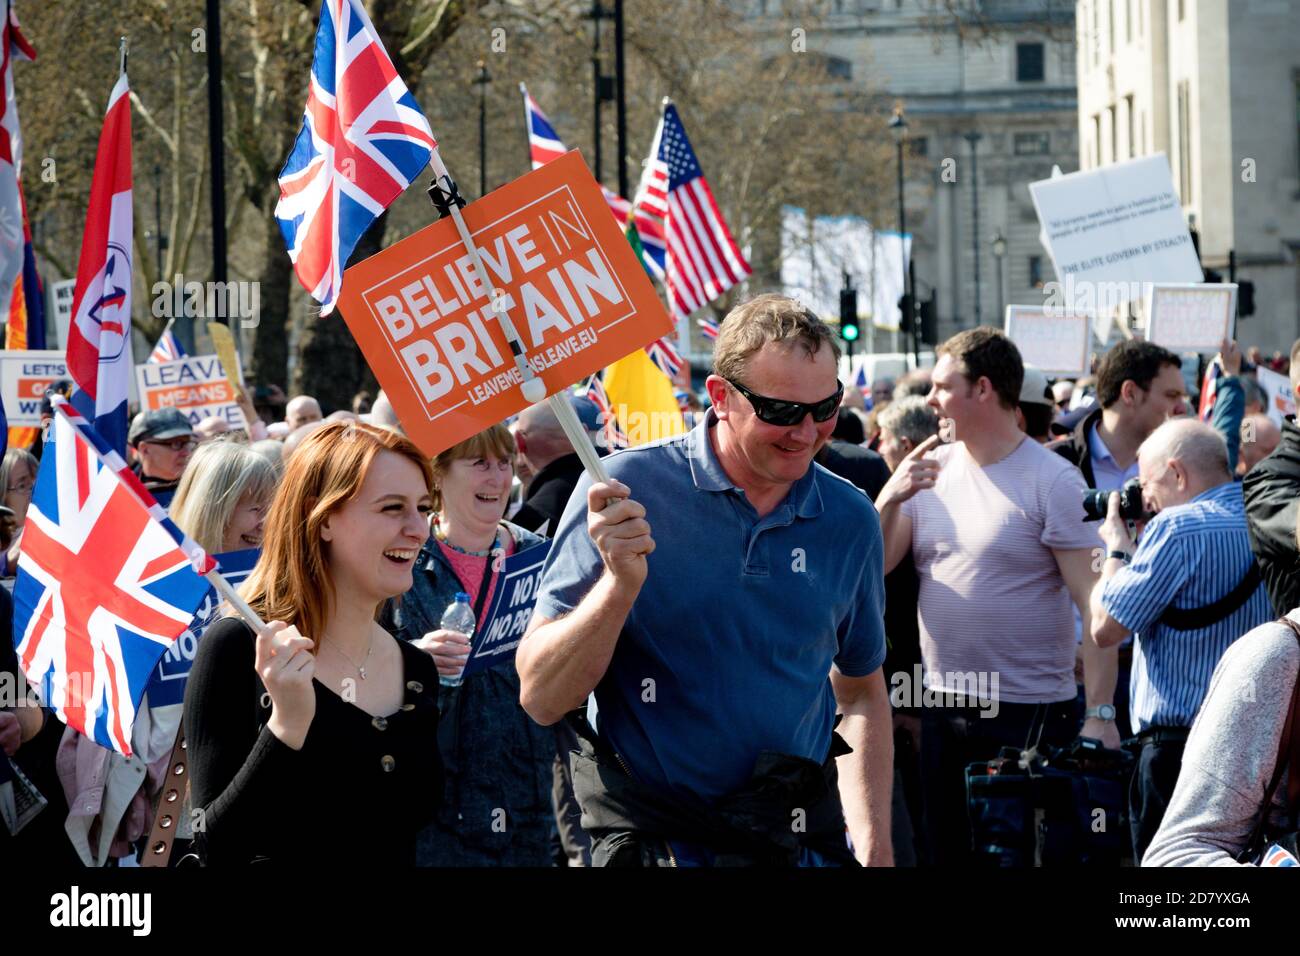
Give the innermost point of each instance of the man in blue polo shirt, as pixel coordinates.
(1188, 590)
(721, 649)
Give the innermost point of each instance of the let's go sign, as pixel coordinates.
(556, 263)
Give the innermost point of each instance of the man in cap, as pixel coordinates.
(163, 441)
(1035, 408)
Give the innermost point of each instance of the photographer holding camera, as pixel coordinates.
(1186, 592)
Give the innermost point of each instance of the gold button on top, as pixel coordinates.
(381, 723)
(388, 763)
(415, 685)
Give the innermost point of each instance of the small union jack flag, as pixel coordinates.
(106, 583)
(1209, 389)
(709, 328)
(613, 432)
(665, 355)
(168, 348)
(1278, 856)
(363, 140)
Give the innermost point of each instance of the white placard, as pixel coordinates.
(60, 308)
(1191, 317)
(197, 385)
(1120, 224)
(1058, 343)
(24, 377)
(1279, 399)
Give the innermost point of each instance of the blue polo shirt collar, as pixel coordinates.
(709, 475)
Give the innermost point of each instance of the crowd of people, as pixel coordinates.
(789, 636)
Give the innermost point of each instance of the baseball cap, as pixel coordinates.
(1034, 390)
(158, 425)
(588, 412)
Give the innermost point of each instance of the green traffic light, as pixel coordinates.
(849, 333)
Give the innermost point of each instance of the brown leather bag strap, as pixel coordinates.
(162, 834)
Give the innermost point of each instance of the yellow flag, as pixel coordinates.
(641, 397)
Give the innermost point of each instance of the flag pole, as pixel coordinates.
(447, 199)
(122, 52)
(227, 591)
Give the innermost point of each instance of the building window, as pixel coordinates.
(1096, 140)
(1128, 21)
(1035, 272)
(1029, 62)
(839, 68)
(1110, 26)
(1114, 133)
(917, 146)
(1181, 11)
(1032, 144)
(1132, 127)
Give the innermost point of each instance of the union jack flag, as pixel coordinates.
(665, 355)
(1209, 389)
(1278, 856)
(168, 348)
(106, 583)
(702, 260)
(363, 140)
(709, 328)
(613, 432)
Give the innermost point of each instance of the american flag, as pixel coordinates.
(168, 348)
(613, 432)
(363, 140)
(1209, 389)
(709, 328)
(703, 261)
(106, 583)
(544, 145)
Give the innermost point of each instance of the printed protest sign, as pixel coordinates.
(1279, 399)
(1191, 317)
(498, 635)
(167, 686)
(60, 307)
(197, 385)
(1117, 224)
(556, 263)
(1056, 343)
(24, 377)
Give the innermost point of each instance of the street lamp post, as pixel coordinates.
(999, 245)
(973, 137)
(602, 86)
(482, 81)
(898, 127)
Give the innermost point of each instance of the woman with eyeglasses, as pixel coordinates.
(17, 477)
(497, 808)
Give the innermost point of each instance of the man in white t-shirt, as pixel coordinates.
(994, 523)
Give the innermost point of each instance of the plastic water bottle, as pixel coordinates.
(458, 617)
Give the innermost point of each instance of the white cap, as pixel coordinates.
(1034, 390)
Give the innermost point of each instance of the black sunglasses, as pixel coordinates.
(777, 411)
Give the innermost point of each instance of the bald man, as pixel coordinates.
(1186, 592)
(1259, 439)
(556, 468)
(382, 412)
(302, 410)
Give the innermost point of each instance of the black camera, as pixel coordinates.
(1097, 503)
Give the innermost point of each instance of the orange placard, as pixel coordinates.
(557, 264)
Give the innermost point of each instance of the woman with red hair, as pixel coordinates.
(316, 739)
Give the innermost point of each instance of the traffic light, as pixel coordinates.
(906, 314)
(849, 314)
(930, 320)
(1245, 298)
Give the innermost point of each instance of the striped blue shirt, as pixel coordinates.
(1190, 555)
